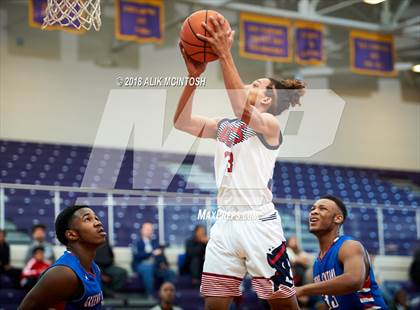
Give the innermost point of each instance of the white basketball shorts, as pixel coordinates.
(255, 246)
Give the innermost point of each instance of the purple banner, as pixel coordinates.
(37, 12)
(372, 53)
(139, 20)
(265, 38)
(309, 43)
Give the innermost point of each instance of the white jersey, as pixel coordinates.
(244, 164)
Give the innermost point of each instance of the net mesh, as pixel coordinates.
(73, 13)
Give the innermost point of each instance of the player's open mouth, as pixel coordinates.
(102, 232)
(313, 220)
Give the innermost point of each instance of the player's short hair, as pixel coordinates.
(285, 93)
(63, 220)
(340, 204)
(38, 226)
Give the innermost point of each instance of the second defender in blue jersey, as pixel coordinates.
(329, 267)
(342, 272)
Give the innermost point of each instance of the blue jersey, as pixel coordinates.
(92, 294)
(329, 267)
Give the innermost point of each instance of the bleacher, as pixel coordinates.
(64, 165)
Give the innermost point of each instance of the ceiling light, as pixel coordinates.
(416, 68)
(373, 1)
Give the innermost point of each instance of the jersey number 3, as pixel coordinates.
(229, 155)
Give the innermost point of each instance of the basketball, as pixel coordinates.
(197, 49)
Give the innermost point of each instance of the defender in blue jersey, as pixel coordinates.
(73, 281)
(342, 271)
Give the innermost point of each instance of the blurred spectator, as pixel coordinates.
(378, 278)
(38, 239)
(112, 277)
(408, 297)
(34, 268)
(415, 269)
(5, 267)
(299, 260)
(167, 297)
(195, 250)
(149, 260)
(400, 300)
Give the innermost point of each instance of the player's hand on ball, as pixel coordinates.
(194, 67)
(220, 39)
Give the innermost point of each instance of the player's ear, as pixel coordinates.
(71, 235)
(266, 100)
(338, 219)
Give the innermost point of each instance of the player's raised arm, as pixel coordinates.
(57, 285)
(352, 256)
(242, 97)
(221, 39)
(198, 126)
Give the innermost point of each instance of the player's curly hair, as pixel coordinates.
(63, 221)
(285, 93)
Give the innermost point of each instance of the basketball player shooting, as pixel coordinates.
(73, 281)
(246, 151)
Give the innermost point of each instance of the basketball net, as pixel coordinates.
(73, 13)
